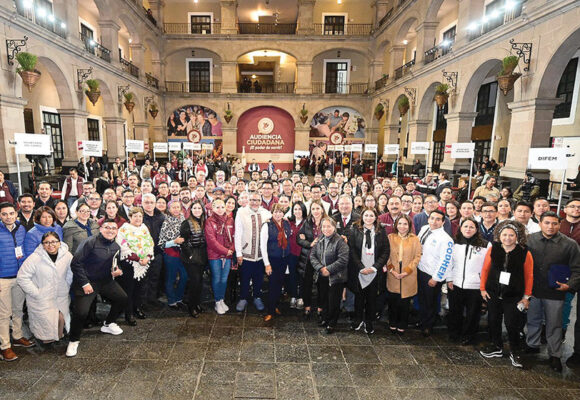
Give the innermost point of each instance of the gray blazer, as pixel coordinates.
(332, 254)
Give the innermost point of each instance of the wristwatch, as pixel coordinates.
(526, 297)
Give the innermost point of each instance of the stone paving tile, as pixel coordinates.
(327, 374)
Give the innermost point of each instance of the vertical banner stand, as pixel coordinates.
(550, 158)
(470, 175)
(19, 178)
(561, 190)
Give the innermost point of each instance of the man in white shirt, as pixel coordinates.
(316, 192)
(249, 220)
(72, 188)
(523, 214)
(432, 269)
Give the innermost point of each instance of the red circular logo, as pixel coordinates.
(194, 136)
(336, 138)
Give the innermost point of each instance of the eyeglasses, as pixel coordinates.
(571, 206)
(51, 243)
(83, 211)
(110, 228)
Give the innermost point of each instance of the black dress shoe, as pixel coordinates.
(306, 314)
(193, 312)
(199, 309)
(556, 364)
(131, 321)
(329, 330)
(532, 350)
(426, 332)
(140, 314)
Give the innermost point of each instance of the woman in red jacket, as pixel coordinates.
(219, 236)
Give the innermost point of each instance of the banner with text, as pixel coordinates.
(547, 158)
(266, 130)
(391, 149)
(462, 150)
(135, 146)
(92, 148)
(31, 144)
(420, 148)
(159, 147)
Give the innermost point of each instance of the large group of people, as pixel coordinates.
(144, 240)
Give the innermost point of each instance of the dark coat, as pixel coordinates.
(308, 231)
(334, 257)
(355, 243)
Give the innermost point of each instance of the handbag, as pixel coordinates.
(558, 273)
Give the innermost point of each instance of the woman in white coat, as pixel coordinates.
(45, 277)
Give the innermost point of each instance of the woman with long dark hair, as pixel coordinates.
(62, 213)
(44, 221)
(463, 282)
(194, 255)
(369, 253)
(112, 212)
(297, 219)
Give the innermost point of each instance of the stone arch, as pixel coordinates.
(432, 10)
(209, 49)
(426, 105)
(469, 94)
(65, 91)
(153, 48)
(131, 26)
(404, 29)
(395, 113)
(109, 107)
(280, 49)
(556, 65)
(366, 55)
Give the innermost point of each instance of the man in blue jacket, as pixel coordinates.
(11, 295)
(94, 268)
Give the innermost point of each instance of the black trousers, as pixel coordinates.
(306, 286)
(365, 301)
(150, 282)
(275, 282)
(428, 297)
(194, 284)
(132, 287)
(398, 311)
(460, 301)
(512, 318)
(329, 298)
(577, 326)
(110, 290)
(382, 297)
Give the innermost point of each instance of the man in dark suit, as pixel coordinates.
(345, 216)
(128, 200)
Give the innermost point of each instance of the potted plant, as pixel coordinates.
(129, 104)
(304, 114)
(403, 105)
(228, 115)
(379, 111)
(441, 95)
(27, 69)
(93, 92)
(506, 77)
(153, 110)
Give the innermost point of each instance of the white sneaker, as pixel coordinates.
(225, 306)
(72, 348)
(300, 304)
(112, 329)
(293, 302)
(219, 308)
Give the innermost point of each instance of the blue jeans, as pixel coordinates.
(251, 271)
(220, 270)
(567, 309)
(70, 200)
(174, 267)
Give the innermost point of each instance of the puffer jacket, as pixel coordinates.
(466, 264)
(9, 264)
(437, 253)
(308, 231)
(355, 243)
(34, 237)
(219, 235)
(331, 253)
(93, 260)
(193, 249)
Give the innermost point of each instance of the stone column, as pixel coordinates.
(68, 12)
(459, 126)
(228, 17)
(305, 17)
(138, 56)
(381, 8)
(229, 74)
(115, 137)
(425, 39)
(74, 129)
(158, 67)
(230, 140)
(469, 12)
(531, 125)
(110, 38)
(142, 133)
(304, 77)
(157, 10)
(418, 132)
(376, 72)
(302, 134)
(391, 137)
(11, 122)
(397, 53)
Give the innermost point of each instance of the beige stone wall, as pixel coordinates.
(44, 95)
(359, 65)
(176, 64)
(359, 11)
(176, 12)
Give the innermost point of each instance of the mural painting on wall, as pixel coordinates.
(338, 125)
(196, 124)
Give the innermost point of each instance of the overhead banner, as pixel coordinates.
(462, 150)
(159, 147)
(135, 146)
(266, 130)
(174, 146)
(420, 148)
(31, 144)
(371, 148)
(547, 158)
(92, 148)
(391, 149)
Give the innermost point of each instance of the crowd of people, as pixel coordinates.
(137, 236)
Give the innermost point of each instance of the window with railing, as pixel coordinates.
(246, 28)
(566, 90)
(387, 16)
(485, 107)
(152, 81)
(404, 69)
(334, 25)
(497, 13)
(149, 15)
(381, 83)
(442, 48)
(201, 24)
(129, 67)
(41, 13)
(92, 46)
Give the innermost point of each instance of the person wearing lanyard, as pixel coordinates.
(369, 252)
(275, 247)
(329, 258)
(405, 254)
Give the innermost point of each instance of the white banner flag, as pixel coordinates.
(92, 148)
(197, 146)
(339, 147)
(188, 146)
(207, 146)
(27, 143)
(174, 146)
(356, 147)
(371, 148)
(160, 147)
(391, 149)
(420, 148)
(135, 146)
(547, 158)
(462, 150)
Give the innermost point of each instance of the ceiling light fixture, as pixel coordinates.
(405, 41)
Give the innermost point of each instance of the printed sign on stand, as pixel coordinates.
(197, 146)
(462, 150)
(135, 146)
(174, 146)
(331, 147)
(207, 146)
(92, 148)
(356, 147)
(347, 147)
(339, 147)
(188, 146)
(160, 147)
(31, 144)
(371, 148)
(420, 148)
(391, 149)
(547, 158)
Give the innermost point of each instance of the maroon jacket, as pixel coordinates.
(570, 230)
(329, 201)
(272, 202)
(219, 236)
